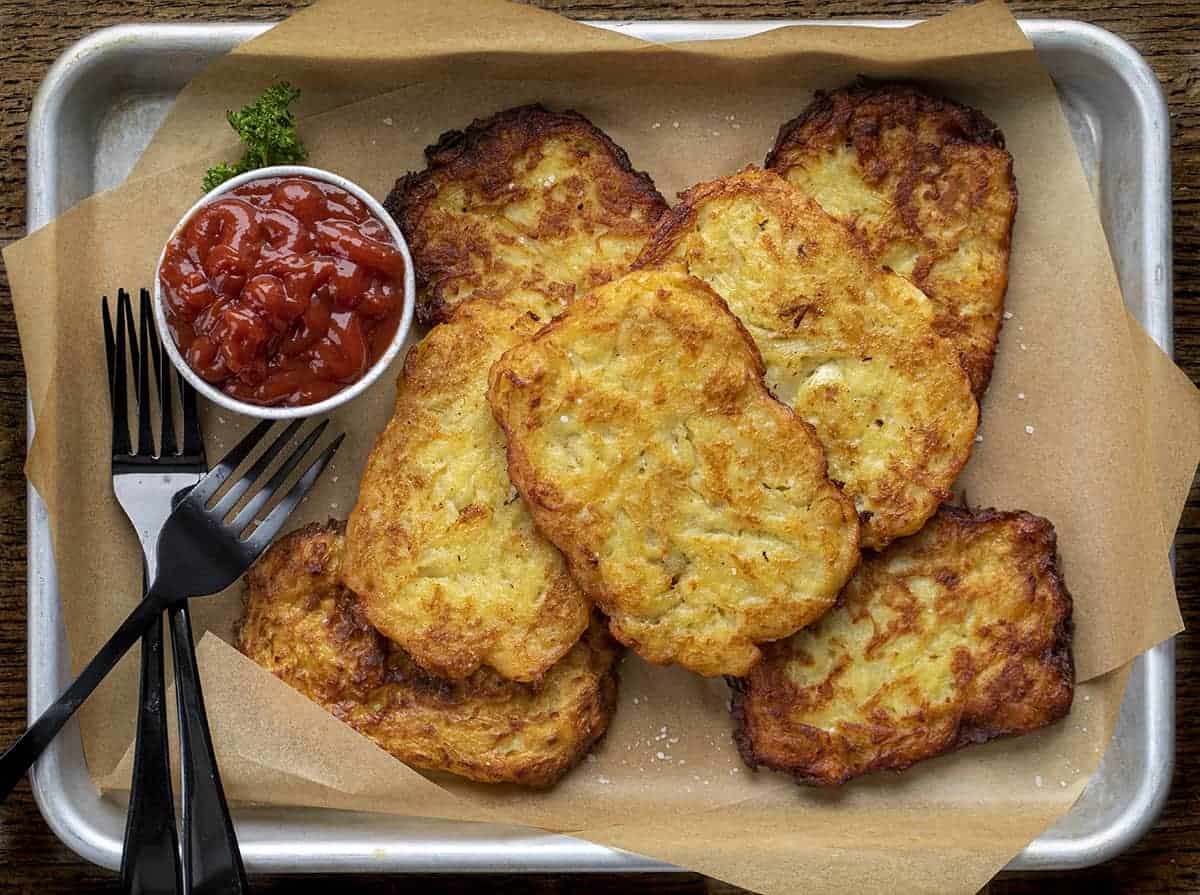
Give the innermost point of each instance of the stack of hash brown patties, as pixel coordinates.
(723, 434)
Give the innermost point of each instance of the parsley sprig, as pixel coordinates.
(268, 131)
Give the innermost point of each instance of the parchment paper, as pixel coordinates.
(1112, 450)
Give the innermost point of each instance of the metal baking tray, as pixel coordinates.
(94, 114)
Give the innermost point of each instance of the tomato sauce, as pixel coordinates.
(283, 291)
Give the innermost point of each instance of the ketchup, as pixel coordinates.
(283, 291)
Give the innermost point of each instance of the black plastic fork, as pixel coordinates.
(150, 853)
(200, 551)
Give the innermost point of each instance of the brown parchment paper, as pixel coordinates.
(1111, 453)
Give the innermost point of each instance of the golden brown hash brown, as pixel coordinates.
(303, 625)
(531, 202)
(928, 186)
(690, 505)
(957, 635)
(440, 548)
(849, 346)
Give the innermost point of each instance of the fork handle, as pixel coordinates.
(211, 859)
(150, 854)
(21, 755)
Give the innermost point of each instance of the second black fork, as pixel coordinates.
(147, 483)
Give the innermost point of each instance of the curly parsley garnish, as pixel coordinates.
(268, 131)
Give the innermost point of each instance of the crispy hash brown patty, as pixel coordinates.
(927, 184)
(692, 506)
(957, 635)
(440, 549)
(530, 202)
(849, 346)
(304, 626)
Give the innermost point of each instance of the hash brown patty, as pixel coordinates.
(304, 626)
(928, 186)
(440, 548)
(692, 506)
(531, 202)
(849, 346)
(957, 635)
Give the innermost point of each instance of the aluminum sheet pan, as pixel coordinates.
(96, 111)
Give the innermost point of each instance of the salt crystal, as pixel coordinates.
(675, 124)
(388, 122)
(737, 127)
(1062, 783)
(656, 125)
(221, 420)
(603, 780)
(1022, 346)
(659, 755)
(979, 439)
(1029, 430)
(716, 133)
(1008, 315)
(1020, 396)
(564, 418)
(1038, 781)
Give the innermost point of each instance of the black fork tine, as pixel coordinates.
(162, 373)
(118, 383)
(145, 427)
(261, 536)
(130, 329)
(259, 500)
(211, 483)
(193, 443)
(230, 498)
(109, 344)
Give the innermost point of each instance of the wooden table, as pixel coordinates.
(34, 32)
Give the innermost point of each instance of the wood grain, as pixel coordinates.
(34, 32)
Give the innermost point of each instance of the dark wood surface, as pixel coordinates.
(34, 32)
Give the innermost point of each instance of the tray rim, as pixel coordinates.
(1154, 671)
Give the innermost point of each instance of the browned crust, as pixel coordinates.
(834, 110)
(998, 713)
(301, 624)
(767, 185)
(527, 612)
(307, 560)
(589, 715)
(545, 499)
(484, 153)
(857, 115)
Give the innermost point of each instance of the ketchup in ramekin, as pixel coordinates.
(282, 291)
